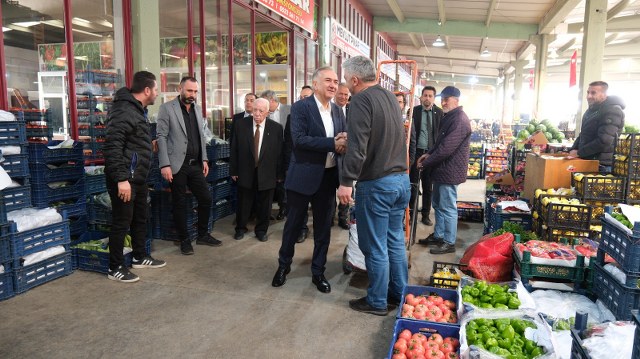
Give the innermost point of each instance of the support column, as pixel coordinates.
(145, 24)
(517, 87)
(324, 33)
(540, 72)
(595, 27)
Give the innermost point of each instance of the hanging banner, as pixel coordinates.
(572, 69)
(387, 69)
(347, 42)
(299, 12)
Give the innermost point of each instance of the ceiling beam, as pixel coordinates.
(611, 13)
(496, 30)
(442, 17)
(414, 40)
(395, 8)
(492, 6)
(565, 47)
(620, 24)
(558, 12)
(455, 54)
(461, 78)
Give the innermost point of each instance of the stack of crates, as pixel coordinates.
(561, 220)
(92, 132)
(163, 225)
(37, 124)
(626, 164)
(495, 216)
(624, 248)
(598, 191)
(57, 180)
(223, 192)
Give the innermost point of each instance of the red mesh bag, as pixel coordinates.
(490, 258)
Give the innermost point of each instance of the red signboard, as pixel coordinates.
(299, 12)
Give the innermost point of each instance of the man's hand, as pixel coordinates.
(573, 153)
(344, 194)
(205, 168)
(154, 146)
(167, 174)
(341, 142)
(235, 178)
(124, 191)
(421, 159)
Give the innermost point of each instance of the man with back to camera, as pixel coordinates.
(318, 132)
(602, 123)
(183, 161)
(258, 138)
(279, 113)
(377, 158)
(426, 122)
(448, 161)
(127, 153)
(342, 100)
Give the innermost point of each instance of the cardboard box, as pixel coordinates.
(553, 170)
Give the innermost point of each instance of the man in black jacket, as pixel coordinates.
(127, 152)
(601, 125)
(426, 122)
(248, 110)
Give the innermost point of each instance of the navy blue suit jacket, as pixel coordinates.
(311, 145)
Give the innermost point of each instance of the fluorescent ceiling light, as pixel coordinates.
(473, 80)
(79, 19)
(87, 33)
(5, 29)
(104, 23)
(553, 54)
(438, 42)
(169, 55)
(26, 23)
(485, 52)
(83, 58)
(54, 23)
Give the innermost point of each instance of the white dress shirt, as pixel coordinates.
(327, 121)
(275, 115)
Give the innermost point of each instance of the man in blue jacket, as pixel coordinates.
(447, 160)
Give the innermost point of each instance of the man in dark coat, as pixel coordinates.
(601, 125)
(127, 153)
(248, 110)
(448, 161)
(256, 166)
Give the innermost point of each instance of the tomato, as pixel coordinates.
(405, 334)
(415, 352)
(436, 299)
(431, 345)
(411, 299)
(413, 343)
(420, 337)
(399, 356)
(436, 313)
(450, 304)
(452, 355)
(455, 343)
(400, 346)
(445, 347)
(436, 338)
(420, 315)
(408, 307)
(434, 354)
(423, 299)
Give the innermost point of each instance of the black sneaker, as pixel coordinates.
(147, 262)
(361, 305)
(431, 240)
(207, 240)
(427, 221)
(186, 248)
(122, 274)
(443, 248)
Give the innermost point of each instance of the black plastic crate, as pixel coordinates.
(628, 144)
(444, 282)
(42, 272)
(221, 189)
(16, 166)
(43, 195)
(554, 234)
(222, 209)
(42, 173)
(596, 186)
(621, 246)
(94, 184)
(96, 260)
(40, 153)
(218, 171)
(473, 213)
(12, 133)
(598, 209)
(635, 316)
(567, 216)
(6, 284)
(617, 297)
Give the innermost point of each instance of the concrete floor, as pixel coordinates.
(218, 303)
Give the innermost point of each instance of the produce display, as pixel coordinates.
(547, 250)
(485, 295)
(503, 337)
(547, 128)
(430, 307)
(516, 228)
(445, 277)
(622, 219)
(474, 167)
(418, 345)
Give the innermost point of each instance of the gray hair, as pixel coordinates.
(263, 101)
(269, 95)
(361, 67)
(317, 72)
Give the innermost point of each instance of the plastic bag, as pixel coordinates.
(354, 254)
(490, 258)
(6, 116)
(526, 300)
(206, 132)
(557, 306)
(612, 340)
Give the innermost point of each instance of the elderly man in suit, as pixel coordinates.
(258, 138)
(318, 132)
(280, 114)
(183, 161)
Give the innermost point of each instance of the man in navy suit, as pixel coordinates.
(318, 132)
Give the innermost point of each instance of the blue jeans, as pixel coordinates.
(446, 211)
(380, 206)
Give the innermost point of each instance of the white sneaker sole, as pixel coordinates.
(123, 280)
(142, 266)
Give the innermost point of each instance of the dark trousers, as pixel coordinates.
(427, 186)
(322, 203)
(125, 215)
(192, 176)
(249, 198)
(281, 195)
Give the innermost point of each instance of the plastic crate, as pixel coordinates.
(554, 234)
(619, 299)
(40, 153)
(42, 195)
(16, 166)
(218, 171)
(537, 201)
(41, 173)
(78, 225)
(5, 246)
(577, 350)
(629, 167)
(221, 189)
(595, 186)
(635, 316)
(12, 133)
(628, 144)
(529, 270)
(445, 283)
(447, 294)
(94, 184)
(566, 216)
(6, 284)
(633, 192)
(222, 209)
(622, 247)
(14, 198)
(97, 261)
(497, 218)
(38, 132)
(426, 328)
(38, 239)
(471, 214)
(97, 213)
(42, 272)
(597, 209)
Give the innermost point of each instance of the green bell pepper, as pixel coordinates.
(535, 352)
(514, 303)
(508, 333)
(500, 298)
(491, 342)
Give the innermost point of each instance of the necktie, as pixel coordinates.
(256, 144)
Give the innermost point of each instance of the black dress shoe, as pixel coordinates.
(281, 214)
(431, 240)
(238, 236)
(443, 248)
(426, 221)
(321, 283)
(343, 224)
(208, 240)
(186, 248)
(361, 305)
(262, 237)
(303, 235)
(280, 277)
